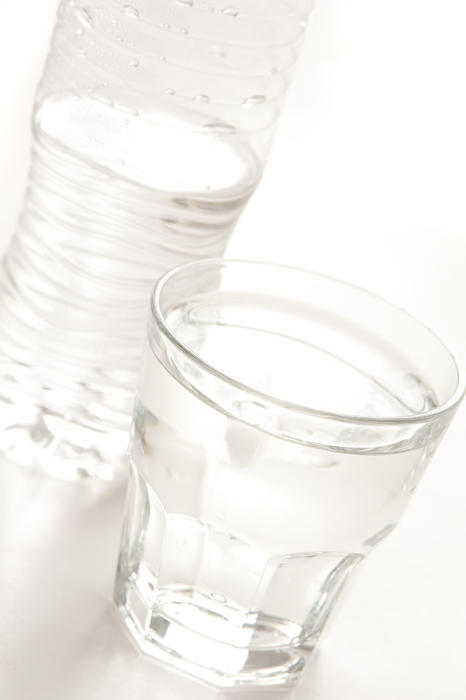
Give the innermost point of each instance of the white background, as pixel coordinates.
(367, 181)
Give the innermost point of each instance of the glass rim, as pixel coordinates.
(410, 418)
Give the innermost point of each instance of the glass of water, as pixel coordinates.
(283, 422)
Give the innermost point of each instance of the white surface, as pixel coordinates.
(367, 182)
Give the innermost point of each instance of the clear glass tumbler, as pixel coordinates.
(283, 421)
(151, 129)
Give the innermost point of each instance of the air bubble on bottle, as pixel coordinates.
(185, 3)
(254, 100)
(134, 63)
(202, 98)
(231, 11)
(130, 11)
(169, 91)
(86, 18)
(219, 128)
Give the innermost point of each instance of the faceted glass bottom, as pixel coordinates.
(263, 651)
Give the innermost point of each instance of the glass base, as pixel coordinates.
(33, 436)
(264, 651)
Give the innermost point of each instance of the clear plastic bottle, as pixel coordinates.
(151, 128)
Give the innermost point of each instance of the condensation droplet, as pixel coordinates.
(165, 25)
(86, 18)
(220, 128)
(186, 3)
(231, 11)
(134, 63)
(202, 98)
(120, 161)
(218, 597)
(254, 100)
(130, 11)
(115, 22)
(183, 30)
(79, 31)
(163, 59)
(274, 70)
(169, 91)
(126, 122)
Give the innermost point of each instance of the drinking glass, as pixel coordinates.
(283, 421)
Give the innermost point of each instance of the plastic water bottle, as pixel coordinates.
(151, 128)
